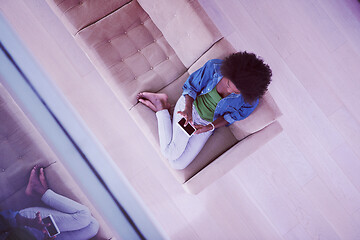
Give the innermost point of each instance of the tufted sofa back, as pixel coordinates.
(185, 25)
(131, 55)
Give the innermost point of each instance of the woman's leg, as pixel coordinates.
(194, 144)
(173, 140)
(175, 144)
(68, 215)
(85, 233)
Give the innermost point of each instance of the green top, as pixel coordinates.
(205, 104)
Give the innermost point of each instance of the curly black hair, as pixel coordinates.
(249, 73)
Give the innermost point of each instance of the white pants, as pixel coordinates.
(73, 219)
(175, 144)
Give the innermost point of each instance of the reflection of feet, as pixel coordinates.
(43, 179)
(154, 101)
(35, 187)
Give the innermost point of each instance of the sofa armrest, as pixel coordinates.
(231, 158)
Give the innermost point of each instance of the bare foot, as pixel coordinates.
(43, 179)
(34, 187)
(146, 103)
(155, 101)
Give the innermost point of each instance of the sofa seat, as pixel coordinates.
(21, 148)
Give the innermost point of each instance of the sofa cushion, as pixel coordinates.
(131, 55)
(218, 143)
(220, 50)
(264, 114)
(185, 25)
(77, 14)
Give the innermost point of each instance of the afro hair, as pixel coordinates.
(249, 73)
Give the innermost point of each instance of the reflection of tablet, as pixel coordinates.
(188, 129)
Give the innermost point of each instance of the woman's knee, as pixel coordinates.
(171, 153)
(93, 227)
(83, 217)
(177, 165)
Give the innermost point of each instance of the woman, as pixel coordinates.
(216, 95)
(73, 219)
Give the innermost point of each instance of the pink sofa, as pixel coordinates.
(21, 147)
(154, 46)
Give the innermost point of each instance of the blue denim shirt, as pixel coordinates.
(232, 107)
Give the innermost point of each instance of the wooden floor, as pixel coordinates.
(304, 184)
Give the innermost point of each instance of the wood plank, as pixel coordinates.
(199, 215)
(161, 207)
(297, 233)
(265, 195)
(345, 14)
(214, 12)
(319, 158)
(347, 78)
(293, 159)
(314, 82)
(349, 162)
(62, 37)
(242, 205)
(225, 214)
(276, 29)
(344, 223)
(276, 173)
(349, 127)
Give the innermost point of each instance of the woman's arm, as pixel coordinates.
(199, 79)
(219, 122)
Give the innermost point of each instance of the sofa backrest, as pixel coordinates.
(264, 114)
(77, 14)
(130, 53)
(185, 25)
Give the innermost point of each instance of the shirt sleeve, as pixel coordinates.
(197, 80)
(8, 216)
(239, 114)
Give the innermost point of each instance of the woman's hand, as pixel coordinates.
(202, 128)
(187, 114)
(33, 223)
(37, 223)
